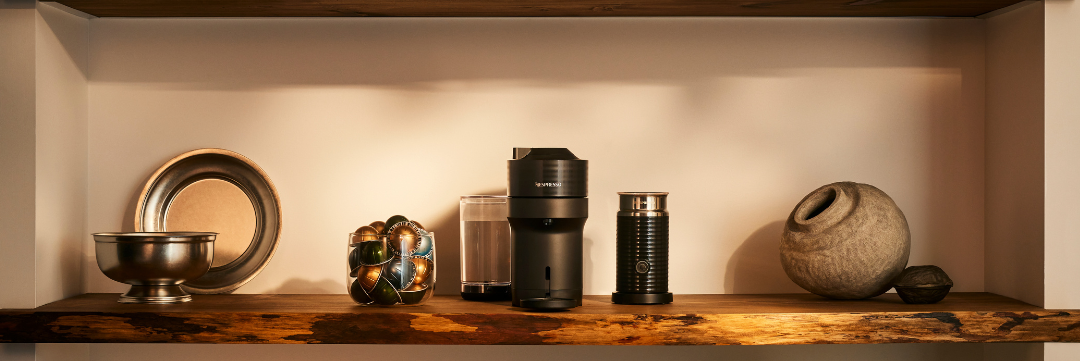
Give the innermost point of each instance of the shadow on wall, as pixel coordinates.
(93, 278)
(755, 265)
(447, 251)
(128, 223)
(302, 286)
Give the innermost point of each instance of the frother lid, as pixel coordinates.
(643, 201)
(547, 172)
(544, 154)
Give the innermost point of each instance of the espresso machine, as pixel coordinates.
(547, 212)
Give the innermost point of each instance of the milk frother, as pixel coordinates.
(641, 249)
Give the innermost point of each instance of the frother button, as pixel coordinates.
(642, 267)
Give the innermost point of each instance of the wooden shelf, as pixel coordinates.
(487, 8)
(691, 320)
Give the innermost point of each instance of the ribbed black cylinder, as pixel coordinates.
(641, 254)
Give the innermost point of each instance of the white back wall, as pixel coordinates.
(359, 119)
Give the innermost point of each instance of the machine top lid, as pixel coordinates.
(543, 154)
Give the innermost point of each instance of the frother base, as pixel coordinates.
(641, 298)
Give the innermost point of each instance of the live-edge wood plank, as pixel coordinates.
(684, 304)
(508, 8)
(691, 320)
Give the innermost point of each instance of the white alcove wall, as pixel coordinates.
(43, 162)
(1062, 161)
(359, 119)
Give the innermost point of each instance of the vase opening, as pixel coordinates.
(821, 203)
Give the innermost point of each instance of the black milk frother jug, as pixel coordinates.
(641, 249)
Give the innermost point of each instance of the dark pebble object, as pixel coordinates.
(923, 284)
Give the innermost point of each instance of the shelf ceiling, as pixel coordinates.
(546, 8)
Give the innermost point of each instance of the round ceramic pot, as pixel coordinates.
(845, 240)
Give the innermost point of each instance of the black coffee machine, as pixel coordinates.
(547, 212)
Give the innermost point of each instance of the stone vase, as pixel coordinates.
(845, 240)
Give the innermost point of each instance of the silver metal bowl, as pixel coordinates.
(154, 263)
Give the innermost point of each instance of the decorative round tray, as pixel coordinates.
(216, 165)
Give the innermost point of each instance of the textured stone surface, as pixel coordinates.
(923, 276)
(845, 240)
(923, 284)
(923, 295)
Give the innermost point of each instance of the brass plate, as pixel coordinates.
(218, 181)
(220, 206)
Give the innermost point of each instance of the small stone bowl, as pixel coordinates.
(922, 284)
(922, 295)
(154, 263)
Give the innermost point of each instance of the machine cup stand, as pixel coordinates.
(548, 304)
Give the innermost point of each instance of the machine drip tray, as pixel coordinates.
(548, 303)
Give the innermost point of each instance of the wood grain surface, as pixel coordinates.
(487, 8)
(691, 320)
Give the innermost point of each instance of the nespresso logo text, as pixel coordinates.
(548, 185)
